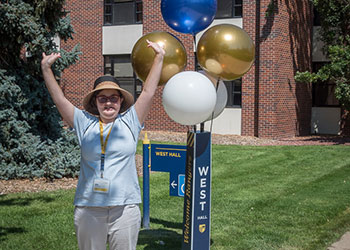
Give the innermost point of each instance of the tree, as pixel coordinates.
(33, 142)
(335, 34)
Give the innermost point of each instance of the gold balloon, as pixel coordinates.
(226, 51)
(175, 58)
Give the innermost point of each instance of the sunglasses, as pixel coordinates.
(104, 99)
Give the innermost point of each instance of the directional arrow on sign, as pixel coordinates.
(173, 184)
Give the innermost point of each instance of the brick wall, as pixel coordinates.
(250, 90)
(300, 33)
(273, 105)
(294, 53)
(87, 20)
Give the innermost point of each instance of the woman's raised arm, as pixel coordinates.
(64, 106)
(144, 102)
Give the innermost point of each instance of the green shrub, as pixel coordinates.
(33, 142)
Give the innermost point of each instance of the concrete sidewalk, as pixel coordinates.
(342, 244)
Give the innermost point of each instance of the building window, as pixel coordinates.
(323, 92)
(323, 95)
(229, 9)
(120, 67)
(316, 18)
(119, 12)
(234, 93)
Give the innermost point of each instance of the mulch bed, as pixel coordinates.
(41, 184)
(36, 185)
(250, 140)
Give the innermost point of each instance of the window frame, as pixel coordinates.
(232, 93)
(122, 58)
(233, 10)
(323, 85)
(316, 18)
(137, 18)
(315, 67)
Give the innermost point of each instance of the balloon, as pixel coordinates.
(226, 51)
(189, 98)
(213, 79)
(175, 58)
(221, 95)
(221, 100)
(188, 16)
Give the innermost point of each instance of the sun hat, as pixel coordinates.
(107, 82)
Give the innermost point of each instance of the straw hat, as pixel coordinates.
(106, 82)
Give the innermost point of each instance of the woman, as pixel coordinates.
(108, 192)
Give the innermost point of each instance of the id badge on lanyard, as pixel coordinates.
(101, 185)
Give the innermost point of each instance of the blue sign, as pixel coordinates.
(196, 223)
(171, 159)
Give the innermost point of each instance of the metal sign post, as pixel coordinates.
(146, 169)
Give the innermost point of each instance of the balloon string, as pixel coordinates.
(195, 43)
(195, 69)
(195, 53)
(212, 114)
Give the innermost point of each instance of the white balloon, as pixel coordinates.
(221, 100)
(189, 98)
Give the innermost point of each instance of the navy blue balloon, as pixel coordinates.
(188, 16)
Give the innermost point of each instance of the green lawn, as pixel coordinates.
(262, 198)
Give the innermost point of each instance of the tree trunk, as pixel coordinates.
(345, 123)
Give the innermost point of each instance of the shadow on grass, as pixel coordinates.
(4, 231)
(161, 238)
(156, 239)
(23, 201)
(167, 224)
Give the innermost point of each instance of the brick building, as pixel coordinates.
(266, 102)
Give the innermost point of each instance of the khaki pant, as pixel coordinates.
(119, 225)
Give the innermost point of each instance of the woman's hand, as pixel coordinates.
(48, 60)
(157, 48)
